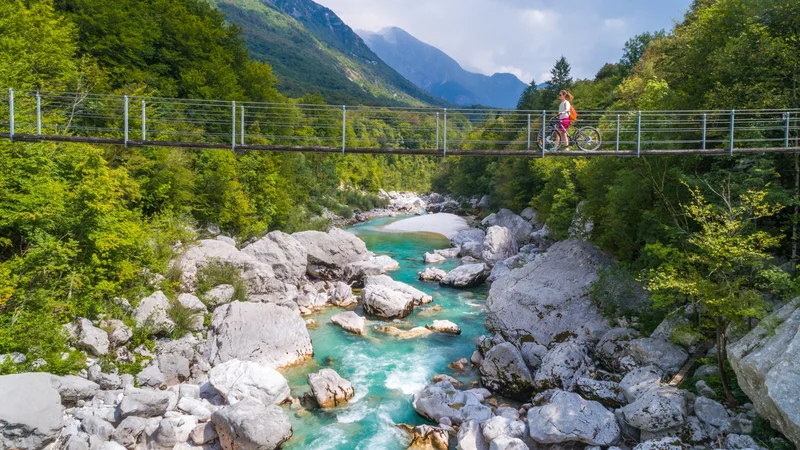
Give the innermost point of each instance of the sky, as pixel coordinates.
(523, 37)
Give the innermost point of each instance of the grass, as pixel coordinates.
(217, 273)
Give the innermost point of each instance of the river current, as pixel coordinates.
(385, 371)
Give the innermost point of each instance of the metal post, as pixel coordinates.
(445, 132)
(529, 131)
(242, 127)
(733, 129)
(617, 132)
(233, 125)
(705, 129)
(544, 132)
(144, 121)
(639, 134)
(126, 121)
(786, 143)
(11, 113)
(38, 114)
(344, 127)
(437, 131)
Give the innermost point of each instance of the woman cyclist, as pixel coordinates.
(563, 115)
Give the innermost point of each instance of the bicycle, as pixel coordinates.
(586, 138)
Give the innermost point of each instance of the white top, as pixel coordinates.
(563, 110)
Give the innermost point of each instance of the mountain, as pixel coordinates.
(312, 51)
(432, 70)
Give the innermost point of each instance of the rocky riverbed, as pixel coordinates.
(335, 346)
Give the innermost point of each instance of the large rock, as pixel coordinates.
(444, 326)
(329, 388)
(31, 415)
(662, 354)
(441, 399)
(508, 443)
(711, 412)
(612, 350)
(504, 371)
(520, 228)
(92, 339)
(193, 305)
(638, 381)
(143, 403)
(502, 426)
(470, 436)
(498, 245)
(356, 272)
(285, 254)
(665, 443)
(548, 298)
(426, 437)
(119, 334)
(173, 431)
(328, 253)
(466, 276)
(351, 322)
(383, 301)
(464, 236)
(562, 366)
(432, 274)
(419, 297)
(72, 388)
(251, 425)
(607, 393)
(262, 283)
(236, 380)
(434, 258)
(151, 312)
(128, 431)
(264, 333)
(767, 366)
(568, 417)
(657, 409)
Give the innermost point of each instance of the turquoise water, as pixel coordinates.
(385, 371)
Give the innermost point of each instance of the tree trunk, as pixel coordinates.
(796, 210)
(722, 338)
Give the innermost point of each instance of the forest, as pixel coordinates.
(82, 224)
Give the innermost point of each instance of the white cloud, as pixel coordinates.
(523, 37)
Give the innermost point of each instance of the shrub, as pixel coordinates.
(183, 318)
(217, 273)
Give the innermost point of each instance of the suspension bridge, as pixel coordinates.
(139, 121)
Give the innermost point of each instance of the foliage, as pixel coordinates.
(183, 317)
(216, 273)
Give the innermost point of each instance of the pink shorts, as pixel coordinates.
(564, 124)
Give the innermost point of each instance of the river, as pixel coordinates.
(385, 371)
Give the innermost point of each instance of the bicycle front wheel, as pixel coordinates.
(551, 143)
(588, 139)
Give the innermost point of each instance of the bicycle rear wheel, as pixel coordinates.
(588, 139)
(551, 143)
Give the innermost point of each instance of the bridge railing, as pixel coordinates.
(148, 120)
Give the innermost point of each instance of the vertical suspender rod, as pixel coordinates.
(126, 120)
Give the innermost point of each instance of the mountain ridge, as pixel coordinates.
(437, 73)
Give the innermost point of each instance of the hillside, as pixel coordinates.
(436, 72)
(312, 51)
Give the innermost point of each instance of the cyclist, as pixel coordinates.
(564, 110)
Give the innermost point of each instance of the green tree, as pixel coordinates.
(719, 268)
(636, 46)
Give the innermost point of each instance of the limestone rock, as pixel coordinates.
(470, 436)
(662, 354)
(712, 413)
(657, 410)
(404, 334)
(568, 417)
(767, 366)
(432, 274)
(441, 399)
(342, 294)
(285, 254)
(444, 326)
(448, 252)
(328, 253)
(612, 350)
(639, 381)
(106, 381)
(96, 426)
(434, 258)
(503, 370)
(502, 426)
(237, 380)
(251, 425)
(548, 298)
(419, 297)
(329, 388)
(203, 434)
(173, 431)
(119, 334)
(665, 443)
(72, 388)
(464, 236)
(468, 275)
(128, 431)
(151, 376)
(528, 214)
(356, 272)
(220, 295)
(498, 245)
(607, 393)
(383, 301)
(351, 322)
(143, 403)
(152, 312)
(508, 443)
(519, 227)
(31, 414)
(562, 366)
(267, 334)
(426, 437)
(92, 339)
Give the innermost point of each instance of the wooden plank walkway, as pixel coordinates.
(682, 374)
